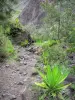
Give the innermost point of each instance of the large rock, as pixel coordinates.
(32, 12)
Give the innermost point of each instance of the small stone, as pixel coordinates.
(0, 97)
(20, 72)
(21, 62)
(20, 83)
(27, 78)
(70, 78)
(34, 72)
(3, 95)
(18, 59)
(7, 66)
(25, 63)
(26, 94)
(25, 58)
(12, 97)
(23, 94)
(15, 83)
(17, 69)
(24, 74)
(21, 57)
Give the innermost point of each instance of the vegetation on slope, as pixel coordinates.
(56, 38)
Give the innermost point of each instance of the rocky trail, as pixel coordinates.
(17, 76)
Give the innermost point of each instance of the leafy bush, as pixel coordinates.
(48, 43)
(53, 52)
(53, 80)
(24, 43)
(71, 36)
(71, 49)
(58, 22)
(6, 8)
(6, 47)
(72, 70)
(13, 28)
(57, 25)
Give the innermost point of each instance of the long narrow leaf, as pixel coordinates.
(43, 85)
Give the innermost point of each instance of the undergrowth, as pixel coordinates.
(56, 37)
(6, 47)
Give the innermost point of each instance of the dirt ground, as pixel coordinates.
(16, 76)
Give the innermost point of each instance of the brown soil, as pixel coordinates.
(16, 76)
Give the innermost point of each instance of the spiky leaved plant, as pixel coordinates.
(53, 81)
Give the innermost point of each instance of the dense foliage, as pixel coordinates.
(6, 8)
(56, 37)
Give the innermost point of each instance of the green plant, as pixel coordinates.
(54, 53)
(73, 86)
(73, 90)
(24, 43)
(72, 70)
(6, 47)
(16, 23)
(48, 43)
(15, 27)
(53, 80)
(71, 36)
(6, 8)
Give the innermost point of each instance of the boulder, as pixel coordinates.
(32, 12)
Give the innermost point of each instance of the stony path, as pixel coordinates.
(16, 76)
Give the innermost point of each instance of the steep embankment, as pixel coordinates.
(32, 12)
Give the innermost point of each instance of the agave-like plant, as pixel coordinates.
(53, 80)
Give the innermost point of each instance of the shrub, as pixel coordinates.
(6, 8)
(71, 36)
(13, 28)
(53, 52)
(24, 43)
(53, 81)
(58, 22)
(6, 47)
